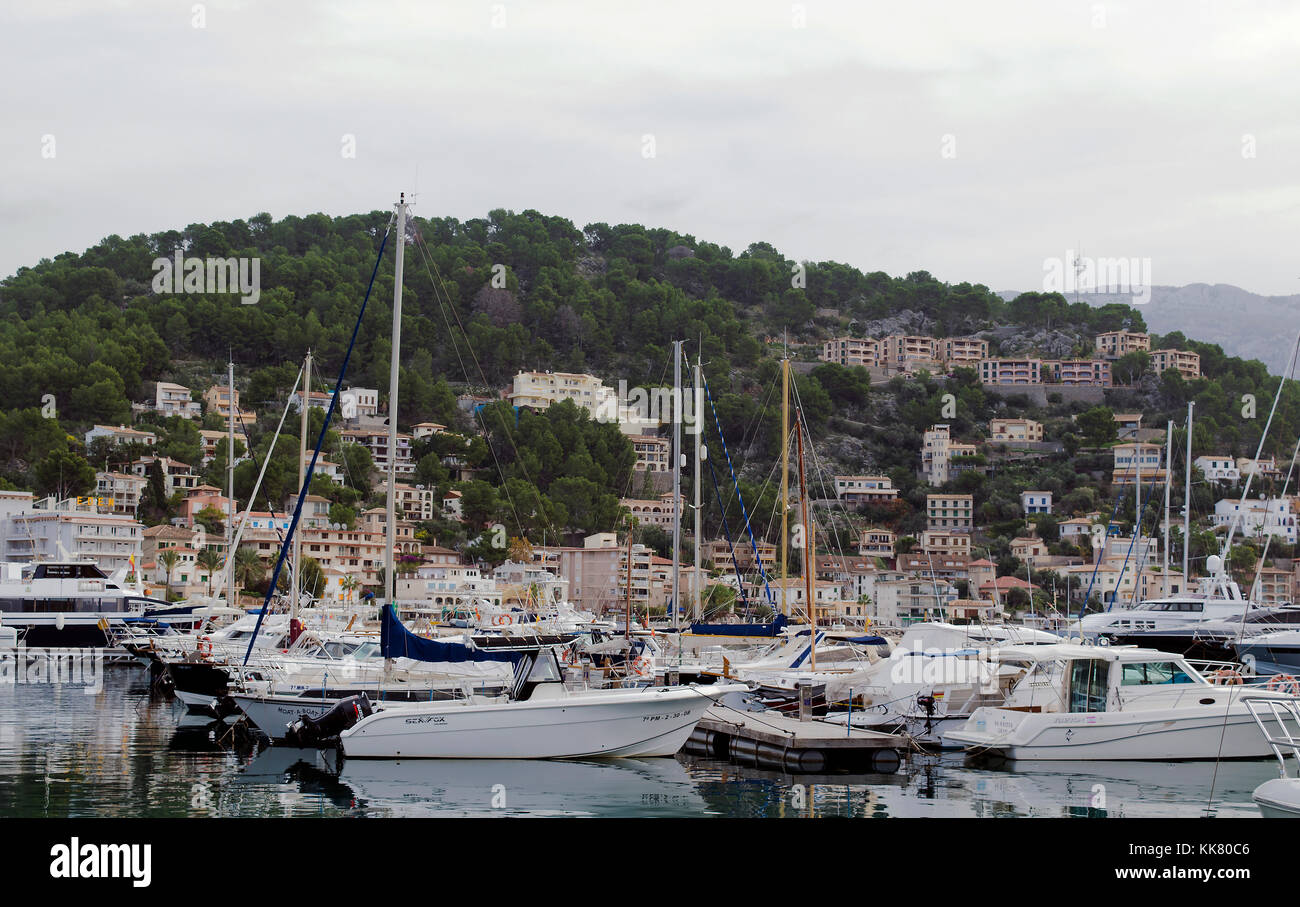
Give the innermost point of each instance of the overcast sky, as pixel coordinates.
(969, 139)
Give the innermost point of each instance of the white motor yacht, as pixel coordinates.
(1118, 702)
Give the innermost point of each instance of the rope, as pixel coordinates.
(758, 560)
(329, 415)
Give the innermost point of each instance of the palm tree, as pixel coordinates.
(210, 560)
(249, 568)
(349, 584)
(169, 558)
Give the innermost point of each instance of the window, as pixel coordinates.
(1153, 672)
(1088, 685)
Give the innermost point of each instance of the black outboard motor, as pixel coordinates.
(310, 732)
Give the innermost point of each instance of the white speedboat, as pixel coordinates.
(541, 719)
(1097, 702)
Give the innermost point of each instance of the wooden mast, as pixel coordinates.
(810, 547)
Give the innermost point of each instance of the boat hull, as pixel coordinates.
(605, 724)
(1279, 798)
(1163, 735)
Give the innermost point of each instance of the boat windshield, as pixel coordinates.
(1145, 673)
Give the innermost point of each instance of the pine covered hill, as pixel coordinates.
(88, 334)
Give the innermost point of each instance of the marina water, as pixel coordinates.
(124, 752)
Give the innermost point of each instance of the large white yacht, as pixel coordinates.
(69, 602)
(1219, 598)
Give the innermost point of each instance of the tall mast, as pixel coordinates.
(1169, 474)
(810, 545)
(1137, 518)
(699, 455)
(302, 477)
(785, 479)
(230, 482)
(677, 486)
(627, 601)
(1187, 498)
(390, 560)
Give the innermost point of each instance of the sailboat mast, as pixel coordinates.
(627, 601)
(1169, 474)
(677, 485)
(1187, 498)
(810, 546)
(696, 585)
(302, 478)
(390, 560)
(785, 480)
(230, 482)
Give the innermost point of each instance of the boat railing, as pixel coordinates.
(1230, 673)
(1279, 722)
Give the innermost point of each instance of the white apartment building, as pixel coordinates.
(121, 435)
(109, 539)
(1035, 502)
(538, 390)
(174, 400)
(861, 489)
(1271, 516)
(1216, 468)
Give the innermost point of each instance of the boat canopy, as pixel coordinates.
(395, 641)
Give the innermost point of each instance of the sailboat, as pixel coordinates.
(540, 718)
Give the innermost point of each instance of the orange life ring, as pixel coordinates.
(1285, 683)
(1227, 677)
(641, 666)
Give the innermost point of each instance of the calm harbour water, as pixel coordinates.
(123, 752)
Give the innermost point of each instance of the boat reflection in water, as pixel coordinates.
(457, 787)
(1109, 789)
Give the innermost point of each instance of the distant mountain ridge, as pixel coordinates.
(1245, 324)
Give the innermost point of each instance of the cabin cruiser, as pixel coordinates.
(67, 603)
(1116, 702)
(1219, 599)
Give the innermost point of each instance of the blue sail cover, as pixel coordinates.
(395, 641)
(772, 629)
